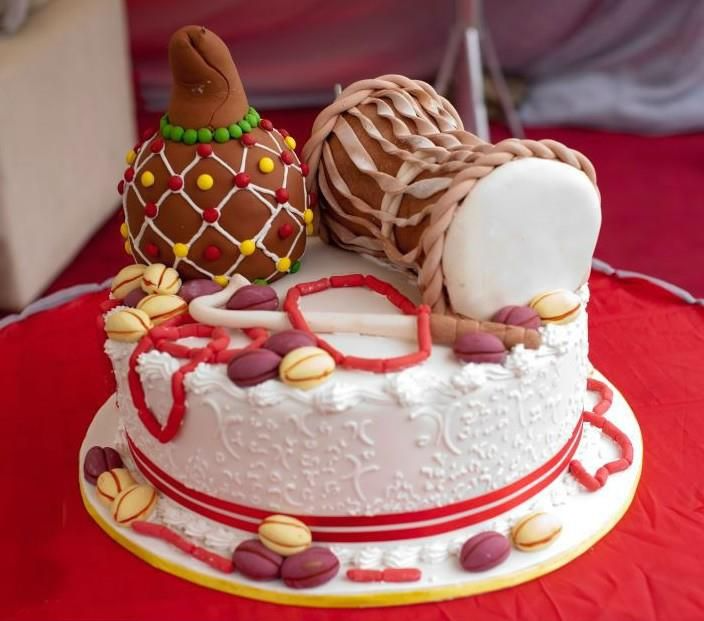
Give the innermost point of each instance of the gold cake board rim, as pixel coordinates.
(426, 594)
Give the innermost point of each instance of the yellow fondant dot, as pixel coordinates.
(308, 216)
(284, 264)
(221, 280)
(180, 250)
(266, 165)
(204, 182)
(123, 230)
(130, 157)
(310, 229)
(248, 247)
(147, 179)
(290, 142)
(128, 248)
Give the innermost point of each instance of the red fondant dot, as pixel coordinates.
(121, 187)
(285, 230)
(241, 180)
(287, 157)
(137, 147)
(283, 132)
(148, 133)
(305, 170)
(211, 214)
(266, 124)
(150, 210)
(205, 150)
(151, 249)
(248, 140)
(312, 199)
(157, 145)
(175, 183)
(212, 253)
(129, 174)
(281, 195)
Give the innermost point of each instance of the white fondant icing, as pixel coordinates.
(529, 226)
(585, 517)
(593, 450)
(364, 443)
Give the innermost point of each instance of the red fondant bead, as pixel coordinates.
(175, 183)
(210, 214)
(285, 230)
(281, 195)
(248, 140)
(205, 150)
(148, 133)
(242, 180)
(305, 170)
(283, 132)
(152, 249)
(312, 199)
(157, 145)
(287, 157)
(137, 147)
(129, 174)
(266, 124)
(121, 187)
(150, 210)
(212, 253)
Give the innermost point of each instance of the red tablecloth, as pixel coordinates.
(58, 564)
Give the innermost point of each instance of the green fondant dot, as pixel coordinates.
(235, 131)
(252, 120)
(295, 267)
(166, 131)
(190, 136)
(163, 122)
(222, 134)
(244, 124)
(260, 281)
(177, 133)
(205, 135)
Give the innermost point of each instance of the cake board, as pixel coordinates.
(587, 517)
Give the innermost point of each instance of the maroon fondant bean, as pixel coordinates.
(253, 367)
(523, 316)
(254, 560)
(288, 340)
(133, 297)
(310, 568)
(484, 551)
(254, 297)
(480, 347)
(196, 288)
(99, 459)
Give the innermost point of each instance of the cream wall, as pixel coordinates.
(66, 120)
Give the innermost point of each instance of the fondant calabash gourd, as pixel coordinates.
(217, 190)
(483, 226)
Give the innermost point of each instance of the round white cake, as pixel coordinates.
(362, 445)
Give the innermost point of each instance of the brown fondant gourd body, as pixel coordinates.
(214, 208)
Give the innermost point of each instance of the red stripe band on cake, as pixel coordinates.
(381, 527)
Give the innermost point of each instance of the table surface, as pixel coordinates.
(59, 564)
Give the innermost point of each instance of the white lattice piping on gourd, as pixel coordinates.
(454, 159)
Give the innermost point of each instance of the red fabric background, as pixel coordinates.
(58, 564)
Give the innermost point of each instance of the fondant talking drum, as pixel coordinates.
(483, 226)
(217, 190)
